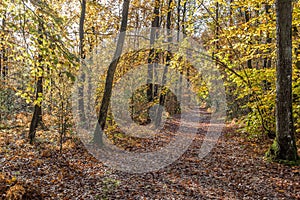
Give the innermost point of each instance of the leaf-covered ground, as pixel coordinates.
(234, 169)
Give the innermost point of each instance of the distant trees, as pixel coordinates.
(39, 57)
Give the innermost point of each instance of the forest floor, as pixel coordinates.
(234, 169)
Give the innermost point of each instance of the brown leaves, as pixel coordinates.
(234, 169)
(46, 153)
(15, 192)
(13, 189)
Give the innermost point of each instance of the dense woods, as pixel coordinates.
(60, 59)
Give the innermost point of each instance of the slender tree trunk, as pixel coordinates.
(284, 146)
(164, 76)
(247, 19)
(179, 87)
(152, 55)
(184, 14)
(183, 17)
(230, 13)
(267, 61)
(3, 58)
(217, 31)
(5, 66)
(89, 76)
(110, 77)
(82, 57)
(37, 114)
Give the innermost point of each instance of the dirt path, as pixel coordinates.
(234, 169)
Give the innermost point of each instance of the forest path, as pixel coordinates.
(234, 169)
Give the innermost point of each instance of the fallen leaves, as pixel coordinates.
(234, 169)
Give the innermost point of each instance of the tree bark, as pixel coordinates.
(81, 109)
(3, 56)
(152, 55)
(230, 13)
(284, 146)
(267, 61)
(179, 86)
(247, 19)
(164, 76)
(217, 32)
(37, 114)
(110, 77)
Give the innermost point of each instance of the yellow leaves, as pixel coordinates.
(12, 180)
(15, 192)
(222, 2)
(69, 144)
(190, 29)
(24, 95)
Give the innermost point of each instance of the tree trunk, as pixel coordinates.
(164, 76)
(82, 57)
(267, 61)
(183, 18)
(217, 32)
(217, 26)
(37, 114)
(247, 19)
(3, 56)
(284, 146)
(179, 86)
(110, 77)
(230, 13)
(152, 55)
